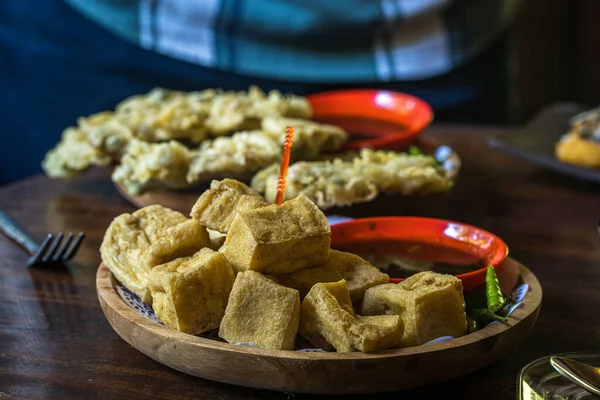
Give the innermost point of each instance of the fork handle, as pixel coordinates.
(15, 232)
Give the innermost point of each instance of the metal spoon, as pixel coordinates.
(581, 374)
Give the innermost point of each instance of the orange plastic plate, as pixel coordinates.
(447, 238)
(374, 118)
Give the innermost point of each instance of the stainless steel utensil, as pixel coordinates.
(581, 374)
(52, 250)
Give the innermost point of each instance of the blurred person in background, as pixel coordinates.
(61, 59)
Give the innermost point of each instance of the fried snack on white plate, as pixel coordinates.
(327, 183)
(218, 205)
(163, 114)
(431, 305)
(261, 312)
(238, 111)
(238, 156)
(581, 145)
(190, 294)
(97, 140)
(146, 166)
(310, 138)
(278, 239)
(133, 243)
(403, 173)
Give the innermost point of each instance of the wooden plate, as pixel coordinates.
(183, 201)
(535, 143)
(323, 373)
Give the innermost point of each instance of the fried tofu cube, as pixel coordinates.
(431, 305)
(327, 313)
(217, 207)
(378, 332)
(328, 321)
(128, 245)
(177, 241)
(305, 279)
(190, 294)
(279, 239)
(261, 312)
(358, 273)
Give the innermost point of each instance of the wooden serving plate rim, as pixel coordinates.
(108, 297)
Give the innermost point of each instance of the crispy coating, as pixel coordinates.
(147, 166)
(431, 305)
(218, 205)
(358, 273)
(278, 239)
(327, 320)
(130, 238)
(402, 173)
(178, 241)
(339, 182)
(581, 145)
(305, 279)
(572, 149)
(261, 312)
(238, 157)
(310, 138)
(190, 294)
(237, 111)
(163, 115)
(97, 140)
(326, 183)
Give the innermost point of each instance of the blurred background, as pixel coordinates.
(56, 65)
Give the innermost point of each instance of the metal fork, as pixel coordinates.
(53, 249)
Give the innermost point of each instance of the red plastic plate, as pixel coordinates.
(440, 240)
(374, 118)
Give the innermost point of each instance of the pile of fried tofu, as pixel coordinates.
(265, 275)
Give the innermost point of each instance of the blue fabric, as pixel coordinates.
(333, 41)
(56, 65)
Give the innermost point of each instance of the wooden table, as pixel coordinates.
(55, 342)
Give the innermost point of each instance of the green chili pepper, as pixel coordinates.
(414, 151)
(495, 297)
(483, 316)
(472, 325)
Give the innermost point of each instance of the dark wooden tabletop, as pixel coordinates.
(56, 344)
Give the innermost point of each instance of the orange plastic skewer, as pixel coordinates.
(285, 163)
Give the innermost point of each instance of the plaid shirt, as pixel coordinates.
(311, 41)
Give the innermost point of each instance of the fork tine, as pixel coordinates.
(40, 251)
(74, 247)
(61, 251)
(52, 248)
